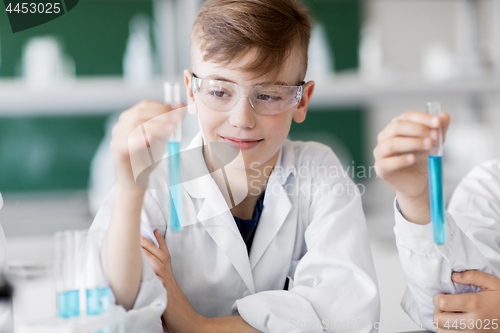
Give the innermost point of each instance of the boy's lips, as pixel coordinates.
(243, 144)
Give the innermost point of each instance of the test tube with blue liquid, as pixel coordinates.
(173, 97)
(436, 193)
(67, 265)
(98, 292)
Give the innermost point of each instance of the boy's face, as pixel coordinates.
(258, 136)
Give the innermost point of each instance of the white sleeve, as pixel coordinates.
(335, 287)
(145, 316)
(3, 247)
(472, 242)
(475, 205)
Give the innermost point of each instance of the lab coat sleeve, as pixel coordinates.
(472, 243)
(335, 287)
(145, 316)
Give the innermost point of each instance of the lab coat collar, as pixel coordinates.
(276, 201)
(277, 206)
(285, 165)
(217, 219)
(215, 215)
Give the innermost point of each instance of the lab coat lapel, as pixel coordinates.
(215, 216)
(277, 205)
(219, 223)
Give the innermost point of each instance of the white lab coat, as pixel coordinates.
(3, 243)
(472, 242)
(317, 239)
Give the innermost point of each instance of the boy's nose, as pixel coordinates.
(243, 114)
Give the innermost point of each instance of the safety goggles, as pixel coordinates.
(265, 99)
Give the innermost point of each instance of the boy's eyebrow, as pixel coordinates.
(220, 78)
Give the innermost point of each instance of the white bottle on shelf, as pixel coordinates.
(138, 57)
(371, 53)
(467, 41)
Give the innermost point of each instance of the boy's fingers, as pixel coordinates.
(144, 110)
(147, 245)
(161, 241)
(148, 110)
(421, 118)
(454, 303)
(145, 241)
(154, 262)
(401, 145)
(163, 283)
(415, 123)
(479, 279)
(401, 127)
(440, 319)
(391, 164)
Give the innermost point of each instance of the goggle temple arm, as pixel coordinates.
(194, 84)
(300, 92)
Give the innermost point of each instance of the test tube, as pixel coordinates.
(436, 194)
(79, 256)
(59, 274)
(98, 292)
(66, 270)
(173, 97)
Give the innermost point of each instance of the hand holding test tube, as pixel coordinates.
(172, 97)
(436, 194)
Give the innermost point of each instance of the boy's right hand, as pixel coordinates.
(140, 137)
(401, 160)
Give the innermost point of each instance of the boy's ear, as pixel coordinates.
(189, 92)
(301, 111)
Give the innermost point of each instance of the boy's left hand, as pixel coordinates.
(179, 315)
(471, 312)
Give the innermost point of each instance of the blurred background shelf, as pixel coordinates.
(349, 90)
(85, 96)
(82, 96)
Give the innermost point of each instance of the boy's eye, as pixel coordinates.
(218, 93)
(268, 98)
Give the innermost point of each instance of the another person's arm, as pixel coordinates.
(401, 160)
(470, 312)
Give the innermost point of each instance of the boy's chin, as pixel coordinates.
(241, 164)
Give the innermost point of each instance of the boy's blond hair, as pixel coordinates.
(225, 30)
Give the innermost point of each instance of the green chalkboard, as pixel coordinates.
(94, 34)
(342, 22)
(47, 153)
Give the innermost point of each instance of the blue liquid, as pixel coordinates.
(68, 304)
(174, 171)
(98, 302)
(437, 198)
(62, 305)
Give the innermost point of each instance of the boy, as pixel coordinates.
(472, 231)
(293, 254)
